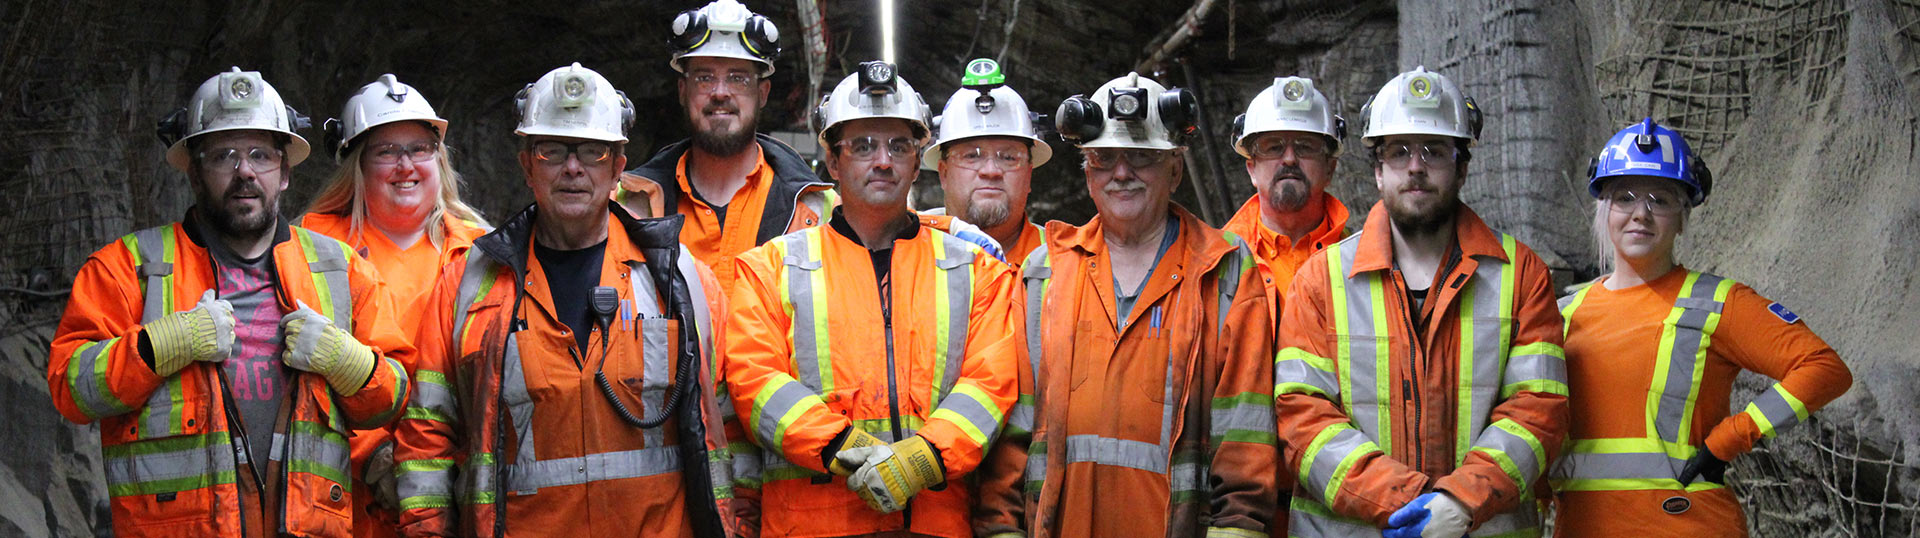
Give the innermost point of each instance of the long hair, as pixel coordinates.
(345, 194)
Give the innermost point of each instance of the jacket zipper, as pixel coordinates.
(1409, 387)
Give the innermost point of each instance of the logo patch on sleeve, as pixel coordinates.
(1784, 314)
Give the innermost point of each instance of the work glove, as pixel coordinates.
(972, 234)
(1705, 465)
(203, 333)
(890, 475)
(313, 344)
(379, 473)
(1433, 515)
(854, 438)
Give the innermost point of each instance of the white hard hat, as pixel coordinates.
(1290, 104)
(381, 102)
(232, 101)
(724, 29)
(575, 102)
(984, 106)
(1129, 112)
(1420, 102)
(875, 90)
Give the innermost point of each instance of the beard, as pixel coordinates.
(1288, 196)
(229, 223)
(722, 142)
(1412, 218)
(987, 213)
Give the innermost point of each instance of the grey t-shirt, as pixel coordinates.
(255, 376)
(1123, 300)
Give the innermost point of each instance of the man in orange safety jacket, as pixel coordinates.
(229, 416)
(873, 354)
(1421, 386)
(1149, 407)
(565, 378)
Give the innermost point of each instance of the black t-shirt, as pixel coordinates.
(719, 210)
(571, 277)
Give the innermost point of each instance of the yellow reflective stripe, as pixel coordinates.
(319, 281)
(943, 318)
(1775, 409)
(1383, 386)
(1463, 408)
(1346, 445)
(1566, 312)
(958, 408)
(1295, 371)
(788, 400)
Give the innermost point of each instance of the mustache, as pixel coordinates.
(730, 109)
(244, 188)
(1288, 172)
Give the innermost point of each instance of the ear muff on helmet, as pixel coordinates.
(520, 103)
(761, 37)
(1079, 119)
(689, 30)
(333, 136)
(1473, 118)
(1366, 116)
(172, 127)
(1179, 112)
(1239, 126)
(1697, 167)
(626, 112)
(1339, 129)
(296, 121)
(1042, 124)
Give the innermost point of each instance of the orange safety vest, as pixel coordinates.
(174, 465)
(808, 358)
(478, 444)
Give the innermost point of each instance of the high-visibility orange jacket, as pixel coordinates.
(1031, 237)
(808, 356)
(172, 465)
(1653, 366)
(1377, 409)
(408, 275)
(1162, 426)
(1280, 253)
(781, 195)
(511, 433)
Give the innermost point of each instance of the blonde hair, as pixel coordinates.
(345, 194)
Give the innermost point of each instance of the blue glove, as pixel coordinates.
(962, 229)
(1433, 515)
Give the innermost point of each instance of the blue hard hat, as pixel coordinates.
(1647, 149)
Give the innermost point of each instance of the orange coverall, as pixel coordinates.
(1180, 402)
(171, 467)
(1614, 353)
(408, 275)
(1377, 409)
(808, 356)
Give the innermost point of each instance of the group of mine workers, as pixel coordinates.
(720, 343)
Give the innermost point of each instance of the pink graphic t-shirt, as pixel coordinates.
(255, 375)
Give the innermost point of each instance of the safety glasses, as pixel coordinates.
(1399, 156)
(976, 158)
(391, 153)
(867, 148)
(1625, 202)
(1107, 158)
(262, 160)
(555, 153)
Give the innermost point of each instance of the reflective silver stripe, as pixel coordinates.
(702, 313)
(1243, 417)
(1307, 519)
(776, 408)
(160, 417)
(1516, 449)
(313, 448)
(329, 261)
(432, 395)
(1618, 466)
(175, 458)
(477, 477)
(477, 275)
(956, 267)
(969, 407)
(1330, 462)
(1295, 366)
(1361, 363)
(87, 376)
(1037, 271)
(1168, 402)
(1522, 519)
(1689, 341)
(1774, 407)
(519, 403)
(1116, 452)
(1187, 477)
(1235, 264)
(527, 478)
(1036, 463)
(646, 300)
(156, 266)
(428, 481)
(655, 377)
(1486, 325)
(1536, 366)
(1020, 419)
(807, 337)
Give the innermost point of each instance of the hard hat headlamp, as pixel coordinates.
(877, 78)
(1294, 95)
(983, 103)
(395, 90)
(239, 89)
(573, 90)
(1127, 104)
(983, 74)
(1420, 92)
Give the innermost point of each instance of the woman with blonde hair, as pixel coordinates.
(1652, 349)
(396, 200)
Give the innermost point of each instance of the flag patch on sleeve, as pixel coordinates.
(1784, 314)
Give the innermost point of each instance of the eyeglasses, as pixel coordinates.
(391, 153)
(555, 153)
(867, 147)
(1304, 148)
(976, 158)
(706, 82)
(1107, 158)
(263, 160)
(1627, 202)
(1399, 156)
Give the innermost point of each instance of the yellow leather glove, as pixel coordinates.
(313, 344)
(891, 475)
(856, 438)
(203, 333)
